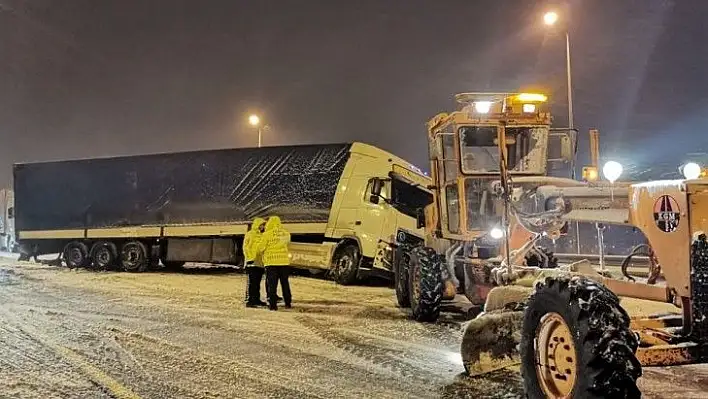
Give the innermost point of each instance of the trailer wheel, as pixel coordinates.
(134, 257)
(425, 284)
(576, 342)
(76, 254)
(104, 255)
(400, 275)
(345, 265)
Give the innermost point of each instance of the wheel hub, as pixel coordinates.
(556, 359)
(345, 263)
(76, 256)
(132, 257)
(103, 256)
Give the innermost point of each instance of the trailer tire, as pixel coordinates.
(134, 257)
(400, 275)
(425, 284)
(597, 359)
(345, 264)
(104, 255)
(76, 254)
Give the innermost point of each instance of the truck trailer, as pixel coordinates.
(7, 221)
(347, 206)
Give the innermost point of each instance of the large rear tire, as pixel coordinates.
(400, 275)
(104, 255)
(134, 257)
(76, 254)
(576, 342)
(345, 265)
(425, 284)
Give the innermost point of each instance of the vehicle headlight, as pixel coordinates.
(482, 107)
(496, 233)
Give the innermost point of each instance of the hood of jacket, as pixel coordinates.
(273, 223)
(257, 222)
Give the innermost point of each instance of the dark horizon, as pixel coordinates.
(83, 79)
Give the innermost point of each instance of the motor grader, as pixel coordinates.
(491, 163)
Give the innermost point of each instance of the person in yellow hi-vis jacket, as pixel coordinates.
(254, 262)
(276, 258)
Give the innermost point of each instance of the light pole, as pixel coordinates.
(550, 18)
(255, 121)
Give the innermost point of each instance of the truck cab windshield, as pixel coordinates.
(409, 199)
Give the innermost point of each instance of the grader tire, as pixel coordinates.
(576, 342)
(425, 284)
(400, 276)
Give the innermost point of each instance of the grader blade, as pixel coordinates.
(490, 342)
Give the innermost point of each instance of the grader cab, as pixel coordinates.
(563, 323)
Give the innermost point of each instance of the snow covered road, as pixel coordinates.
(156, 335)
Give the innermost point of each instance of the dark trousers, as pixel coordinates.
(255, 276)
(273, 275)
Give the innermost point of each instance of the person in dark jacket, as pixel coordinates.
(276, 258)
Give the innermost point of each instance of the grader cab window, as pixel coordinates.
(452, 198)
(480, 151)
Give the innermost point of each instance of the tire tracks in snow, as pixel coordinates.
(406, 360)
(93, 373)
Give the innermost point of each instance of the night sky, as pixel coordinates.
(84, 78)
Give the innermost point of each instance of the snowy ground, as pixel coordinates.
(66, 334)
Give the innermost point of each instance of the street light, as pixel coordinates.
(612, 171)
(255, 121)
(549, 19)
(691, 171)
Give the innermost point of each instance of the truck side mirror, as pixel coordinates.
(11, 213)
(376, 188)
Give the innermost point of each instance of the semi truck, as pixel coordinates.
(7, 221)
(347, 207)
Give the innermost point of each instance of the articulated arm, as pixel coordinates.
(545, 204)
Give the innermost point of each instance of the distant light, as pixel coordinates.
(531, 98)
(612, 171)
(496, 233)
(590, 173)
(691, 171)
(550, 18)
(254, 120)
(482, 107)
(529, 108)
